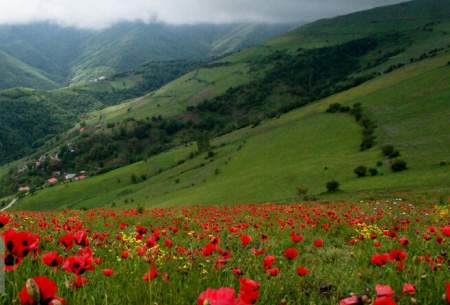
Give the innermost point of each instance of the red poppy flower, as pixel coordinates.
(108, 272)
(268, 261)
(245, 239)
(79, 281)
(4, 220)
(398, 255)
(151, 274)
(384, 301)
(168, 243)
(380, 259)
(447, 288)
(67, 241)
(249, 292)
(52, 259)
(302, 271)
(39, 289)
(125, 254)
(238, 271)
(353, 300)
(384, 291)
(446, 230)
(403, 241)
(290, 253)
(141, 230)
(78, 264)
(81, 238)
(221, 296)
(273, 271)
(318, 243)
(18, 246)
(408, 289)
(296, 238)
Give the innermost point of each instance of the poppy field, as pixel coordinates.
(381, 253)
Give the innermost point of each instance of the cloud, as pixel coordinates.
(98, 14)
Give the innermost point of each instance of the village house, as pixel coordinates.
(69, 176)
(52, 181)
(24, 189)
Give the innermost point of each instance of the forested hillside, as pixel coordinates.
(44, 56)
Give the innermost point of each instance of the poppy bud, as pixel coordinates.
(33, 290)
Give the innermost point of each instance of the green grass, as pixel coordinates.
(15, 73)
(173, 98)
(269, 162)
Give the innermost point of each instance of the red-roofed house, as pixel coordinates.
(52, 181)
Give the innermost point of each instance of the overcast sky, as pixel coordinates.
(99, 14)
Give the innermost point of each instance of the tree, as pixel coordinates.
(390, 152)
(360, 171)
(332, 186)
(373, 171)
(398, 165)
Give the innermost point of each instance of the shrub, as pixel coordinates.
(332, 186)
(333, 108)
(387, 150)
(134, 179)
(360, 171)
(398, 165)
(302, 191)
(390, 152)
(373, 171)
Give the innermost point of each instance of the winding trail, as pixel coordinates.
(13, 202)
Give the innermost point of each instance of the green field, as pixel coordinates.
(417, 35)
(304, 148)
(173, 98)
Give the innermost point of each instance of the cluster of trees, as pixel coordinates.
(368, 125)
(304, 77)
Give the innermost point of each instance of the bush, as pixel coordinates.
(398, 165)
(332, 186)
(373, 171)
(360, 171)
(390, 152)
(333, 108)
(134, 179)
(302, 191)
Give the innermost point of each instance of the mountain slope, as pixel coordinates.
(13, 72)
(22, 108)
(407, 38)
(240, 97)
(304, 148)
(68, 55)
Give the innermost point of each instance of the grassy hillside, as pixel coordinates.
(417, 30)
(13, 72)
(67, 55)
(49, 113)
(304, 148)
(237, 96)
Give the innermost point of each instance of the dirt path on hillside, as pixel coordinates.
(13, 202)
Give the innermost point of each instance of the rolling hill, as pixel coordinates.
(416, 38)
(14, 72)
(304, 148)
(31, 117)
(266, 108)
(58, 56)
